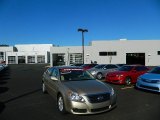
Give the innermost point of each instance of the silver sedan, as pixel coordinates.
(77, 91)
(99, 71)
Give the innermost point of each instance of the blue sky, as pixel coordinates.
(56, 21)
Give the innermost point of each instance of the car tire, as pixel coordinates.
(128, 81)
(60, 104)
(44, 88)
(99, 76)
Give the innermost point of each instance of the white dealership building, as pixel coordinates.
(146, 52)
(26, 54)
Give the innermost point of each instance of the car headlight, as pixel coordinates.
(112, 91)
(157, 81)
(93, 72)
(120, 75)
(75, 97)
(139, 78)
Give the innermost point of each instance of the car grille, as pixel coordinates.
(99, 109)
(149, 87)
(149, 81)
(97, 98)
(79, 110)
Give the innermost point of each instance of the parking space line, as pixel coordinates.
(127, 87)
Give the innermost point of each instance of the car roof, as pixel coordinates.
(67, 67)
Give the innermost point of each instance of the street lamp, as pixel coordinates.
(82, 30)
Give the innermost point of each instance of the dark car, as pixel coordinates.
(127, 74)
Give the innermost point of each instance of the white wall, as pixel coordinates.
(149, 47)
(33, 47)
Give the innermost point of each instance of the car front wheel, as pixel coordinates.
(128, 81)
(99, 76)
(60, 104)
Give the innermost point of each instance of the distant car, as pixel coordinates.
(1, 67)
(150, 80)
(99, 71)
(87, 66)
(77, 91)
(78, 64)
(127, 74)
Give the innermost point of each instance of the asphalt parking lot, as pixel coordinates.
(21, 98)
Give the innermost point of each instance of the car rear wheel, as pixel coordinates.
(128, 81)
(60, 104)
(99, 76)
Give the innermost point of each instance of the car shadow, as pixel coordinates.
(2, 107)
(3, 89)
(2, 104)
(146, 91)
(23, 95)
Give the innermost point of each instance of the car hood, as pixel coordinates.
(117, 73)
(93, 69)
(87, 86)
(151, 76)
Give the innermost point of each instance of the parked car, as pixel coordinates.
(126, 74)
(87, 66)
(78, 64)
(99, 71)
(77, 91)
(150, 80)
(1, 67)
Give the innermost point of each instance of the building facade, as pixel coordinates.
(145, 52)
(26, 54)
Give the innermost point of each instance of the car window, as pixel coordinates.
(75, 74)
(54, 73)
(155, 70)
(99, 66)
(49, 71)
(141, 68)
(110, 66)
(126, 68)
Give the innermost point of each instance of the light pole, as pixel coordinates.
(82, 30)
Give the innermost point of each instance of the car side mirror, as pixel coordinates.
(54, 78)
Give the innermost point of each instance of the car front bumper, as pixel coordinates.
(91, 108)
(148, 86)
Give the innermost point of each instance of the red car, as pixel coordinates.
(87, 66)
(127, 74)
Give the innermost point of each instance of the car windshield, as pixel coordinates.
(84, 65)
(155, 70)
(75, 75)
(125, 68)
(99, 66)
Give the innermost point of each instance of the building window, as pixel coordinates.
(158, 52)
(11, 59)
(75, 58)
(102, 53)
(108, 53)
(40, 59)
(21, 59)
(31, 59)
(1, 56)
